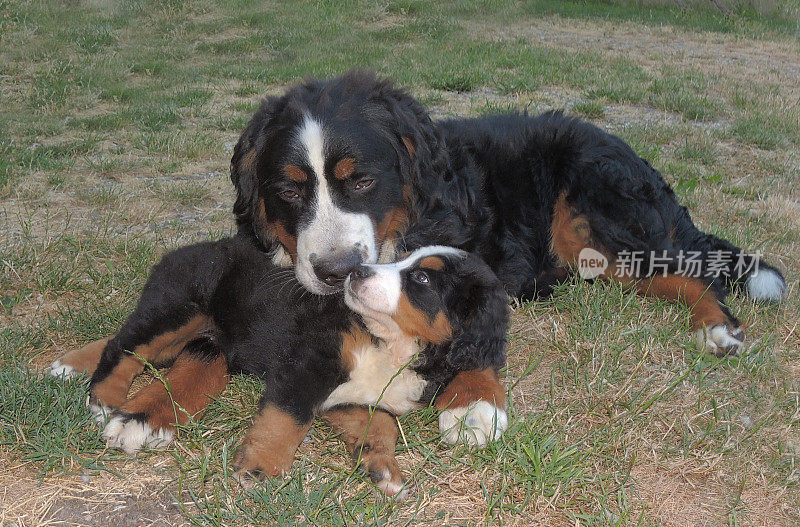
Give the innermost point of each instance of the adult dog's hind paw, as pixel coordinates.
(720, 340)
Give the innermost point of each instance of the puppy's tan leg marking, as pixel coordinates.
(83, 360)
(268, 448)
(570, 233)
(112, 391)
(473, 408)
(372, 441)
(149, 418)
(167, 346)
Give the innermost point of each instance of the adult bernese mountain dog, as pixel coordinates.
(340, 172)
(396, 339)
(349, 170)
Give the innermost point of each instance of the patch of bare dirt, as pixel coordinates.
(141, 500)
(680, 493)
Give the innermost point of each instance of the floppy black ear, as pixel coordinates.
(481, 320)
(244, 165)
(443, 204)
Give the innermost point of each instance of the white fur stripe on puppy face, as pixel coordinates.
(331, 231)
(381, 292)
(430, 250)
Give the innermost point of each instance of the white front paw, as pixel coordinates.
(130, 435)
(474, 425)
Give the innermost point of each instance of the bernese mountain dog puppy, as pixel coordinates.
(395, 339)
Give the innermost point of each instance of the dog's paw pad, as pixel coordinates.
(720, 340)
(248, 479)
(474, 425)
(130, 435)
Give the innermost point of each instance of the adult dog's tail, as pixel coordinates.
(728, 265)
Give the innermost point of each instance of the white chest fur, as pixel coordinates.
(381, 377)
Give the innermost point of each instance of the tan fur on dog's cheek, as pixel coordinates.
(415, 323)
(394, 223)
(289, 242)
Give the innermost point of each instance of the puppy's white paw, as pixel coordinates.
(130, 435)
(474, 425)
(720, 340)
(65, 371)
(100, 412)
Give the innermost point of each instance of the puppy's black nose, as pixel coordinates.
(361, 272)
(334, 270)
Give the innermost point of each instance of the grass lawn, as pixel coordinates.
(117, 122)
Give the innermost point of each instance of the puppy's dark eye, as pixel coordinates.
(421, 277)
(364, 184)
(289, 195)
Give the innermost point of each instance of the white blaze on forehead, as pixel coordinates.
(313, 141)
(332, 232)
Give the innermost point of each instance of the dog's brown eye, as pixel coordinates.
(421, 277)
(363, 184)
(290, 195)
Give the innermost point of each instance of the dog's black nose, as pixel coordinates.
(361, 272)
(334, 270)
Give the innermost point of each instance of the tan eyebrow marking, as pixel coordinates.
(295, 173)
(344, 168)
(432, 262)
